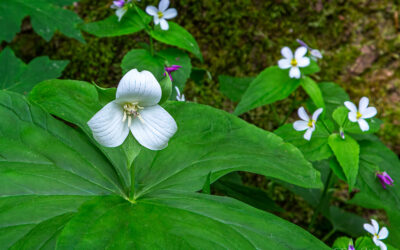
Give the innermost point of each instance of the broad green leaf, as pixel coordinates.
(333, 95)
(207, 185)
(142, 59)
(347, 153)
(234, 87)
(46, 17)
(313, 91)
(366, 243)
(180, 220)
(346, 222)
(340, 115)
(337, 169)
(166, 87)
(174, 56)
(342, 243)
(273, 84)
(310, 69)
(16, 76)
(77, 102)
(130, 23)
(314, 150)
(177, 36)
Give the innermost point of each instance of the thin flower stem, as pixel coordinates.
(328, 235)
(321, 200)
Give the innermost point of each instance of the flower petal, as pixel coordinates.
(303, 114)
(369, 112)
(381, 245)
(317, 113)
(375, 225)
(163, 5)
(369, 228)
(303, 61)
(351, 106)
(154, 127)
(308, 133)
(141, 87)
(107, 126)
(152, 11)
(287, 53)
(383, 234)
(316, 53)
(156, 20)
(120, 13)
(294, 72)
(352, 116)
(300, 125)
(363, 125)
(300, 52)
(284, 64)
(363, 104)
(170, 13)
(164, 24)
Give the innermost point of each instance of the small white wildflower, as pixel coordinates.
(363, 112)
(121, 7)
(306, 123)
(179, 97)
(377, 235)
(299, 60)
(161, 14)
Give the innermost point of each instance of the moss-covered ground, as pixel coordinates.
(360, 41)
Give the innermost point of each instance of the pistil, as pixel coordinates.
(131, 110)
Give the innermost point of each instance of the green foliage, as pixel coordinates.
(46, 18)
(313, 91)
(347, 153)
(234, 87)
(16, 76)
(166, 88)
(340, 115)
(131, 22)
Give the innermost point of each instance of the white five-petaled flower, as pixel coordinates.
(294, 62)
(306, 123)
(377, 235)
(363, 112)
(135, 109)
(179, 97)
(161, 14)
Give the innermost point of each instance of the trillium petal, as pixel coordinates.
(170, 13)
(363, 104)
(351, 106)
(383, 234)
(163, 5)
(294, 72)
(303, 114)
(284, 64)
(154, 128)
(375, 225)
(287, 53)
(164, 24)
(300, 125)
(352, 116)
(369, 228)
(141, 87)
(381, 245)
(303, 61)
(107, 126)
(363, 124)
(300, 52)
(308, 133)
(317, 113)
(369, 112)
(151, 10)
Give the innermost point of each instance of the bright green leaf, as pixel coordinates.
(342, 243)
(234, 87)
(142, 59)
(46, 17)
(16, 76)
(347, 153)
(340, 115)
(166, 88)
(313, 91)
(310, 69)
(333, 95)
(273, 84)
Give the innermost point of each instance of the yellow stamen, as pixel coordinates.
(131, 111)
(160, 14)
(293, 62)
(359, 115)
(377, 236)
(311, 123)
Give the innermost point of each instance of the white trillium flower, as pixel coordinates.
(306, 123)
(294, 62)
(135, 109)
(179, 97)
(363, 112)
(377, 235)
(161, 14)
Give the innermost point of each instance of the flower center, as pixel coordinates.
(160, 14)
(377, 236)
(293, 62)
(311, 123)
(359, 115)
(131, 110)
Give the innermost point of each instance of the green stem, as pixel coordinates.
(290, 110)
(151, 46)
(321, 200)
(132, 191)
(326, 237)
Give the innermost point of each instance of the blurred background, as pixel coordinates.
(360, 41)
